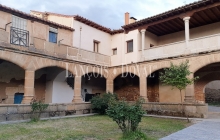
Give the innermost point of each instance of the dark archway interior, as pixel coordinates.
(11, 81)
(127, 86)
(92, 84)
(207, 74)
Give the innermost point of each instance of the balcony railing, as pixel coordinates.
(19, 37)
(197, 45)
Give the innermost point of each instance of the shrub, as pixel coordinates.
(126, 116)
(136, 135)
(37, 107)
(100, 102)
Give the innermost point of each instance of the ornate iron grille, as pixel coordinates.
(19, 37)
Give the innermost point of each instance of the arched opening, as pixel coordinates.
(54, 85)
(92, 84)
(206, 75)
(126, 86)
(212, 93)
(11, 81)
(158, 92)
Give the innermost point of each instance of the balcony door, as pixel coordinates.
(19, 34)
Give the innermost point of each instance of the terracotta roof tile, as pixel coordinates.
(166, 14)
(31, 17)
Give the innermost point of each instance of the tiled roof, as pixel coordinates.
(97, 26)
(179, 10)
(31, 17)
(51, 13)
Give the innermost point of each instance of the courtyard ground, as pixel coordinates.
(86, 128)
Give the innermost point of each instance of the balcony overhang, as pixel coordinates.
(202, 13)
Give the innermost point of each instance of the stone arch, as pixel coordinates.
(100, 72)
(203, 61)
(52, 63)
(18, 59)
(115, 72)
(202, 82)
(51, 81)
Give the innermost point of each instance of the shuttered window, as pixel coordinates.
(19, 23)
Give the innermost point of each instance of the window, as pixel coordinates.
(151, 45)
(18, 33)
(114, 51)
(129, 46)
(53, 35)
(96, 46)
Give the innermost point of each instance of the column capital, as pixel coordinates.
(186, 18)
(143, 30)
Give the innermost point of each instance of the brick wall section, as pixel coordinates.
(202, 82)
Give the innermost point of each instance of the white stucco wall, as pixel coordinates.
(62, 92)
(88, 35)
(120, 40)
(58, 91)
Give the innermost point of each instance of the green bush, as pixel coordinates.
(37, 108)
(136, 135)
(125, 115)
(100, 102)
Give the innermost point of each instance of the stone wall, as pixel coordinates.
(212, 95)
(23, 112)
(168, 109)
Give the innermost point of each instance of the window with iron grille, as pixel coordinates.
(18, 33)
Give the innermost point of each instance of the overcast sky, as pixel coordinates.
(109, 13)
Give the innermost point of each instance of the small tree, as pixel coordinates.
(126, 116)
(37, 107)
(100, 102)
(177, 76)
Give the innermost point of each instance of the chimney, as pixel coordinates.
(132, 20)
(127, 16)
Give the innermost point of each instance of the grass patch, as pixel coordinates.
(217, 104)
(86, 128)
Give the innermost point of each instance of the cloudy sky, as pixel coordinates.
(109, 13)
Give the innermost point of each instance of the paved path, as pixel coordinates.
(214, 109)
(206, 130)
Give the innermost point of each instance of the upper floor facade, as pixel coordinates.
(184, 31)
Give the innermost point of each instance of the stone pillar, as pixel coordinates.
(187, 35)
(143, 41)
(190, 92)
(77, 89)
(143, 87)
(28, 87)
(109, 85)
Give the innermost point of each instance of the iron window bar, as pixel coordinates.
(19, 37)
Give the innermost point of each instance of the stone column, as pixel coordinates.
(143, 41)
(77, 89)
(143, 87)
(190, 92)
(28, 87)
(109, 85)
(187, 35)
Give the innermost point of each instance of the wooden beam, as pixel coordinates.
(214, 11)
(182, 15)
(156, 30)
(171, 26)
(176, 24)
(205, 16)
